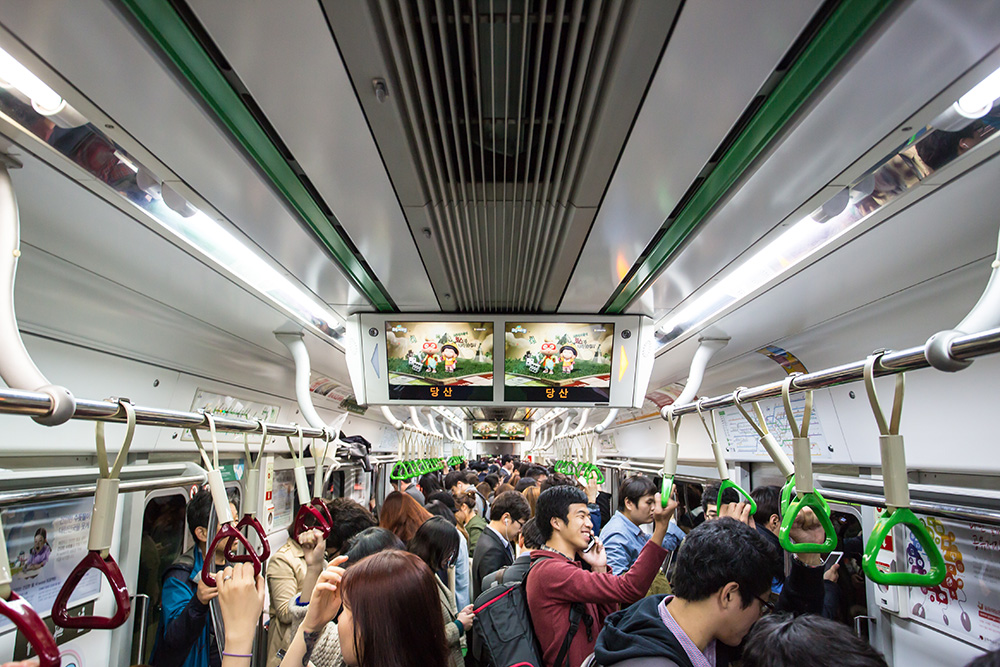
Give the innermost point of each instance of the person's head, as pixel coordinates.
(349, 519)
(392, 613)
(768, 499)
(436, 543)
(531, 538)
(783, 640)
(41, 538)
(370, 541)
(709, 500)
(636, 498)
(503, 488)
(199, 511)
(522, 469)
(456, 481)
(402, 515)
(484, 489)
(471, 479)
(557, 479)
(562, 514)
(524, 483)
(439, 509)
(465, 507)
(725, 567)
(507, 461)
(429, 483)
(508, 513)
(493, 480)
(538, 473)
(442, 497)
(531, 495)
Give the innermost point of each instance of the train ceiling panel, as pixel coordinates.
(698, 93)
(890, 80)
(300, 84)
(500, 124)
(153, 111)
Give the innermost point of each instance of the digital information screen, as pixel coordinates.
(513, 431)
(440, 361)
(484, 430)
(558, 362)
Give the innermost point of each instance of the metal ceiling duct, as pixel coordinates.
(507, 108)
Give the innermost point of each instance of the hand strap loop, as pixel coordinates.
(671, 451)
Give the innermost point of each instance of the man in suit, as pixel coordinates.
(495, 548)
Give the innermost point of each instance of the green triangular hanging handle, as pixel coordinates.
(399, 471)
(666, 486)
(905, 517)
(730, 484)
(588, 470)
(786, 494)
(821, 509)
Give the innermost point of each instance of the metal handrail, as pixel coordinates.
(87, 490)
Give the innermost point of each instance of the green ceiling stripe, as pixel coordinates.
(846, 25)
(168, 29)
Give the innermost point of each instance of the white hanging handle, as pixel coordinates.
(897, 486)
(102, 519)
(801, 449)
(215, 482)
(671, 450)
(720, 460)
(301, 479)
(771, 445)
(252, 485)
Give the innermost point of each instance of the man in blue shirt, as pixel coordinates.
(622, 537)
(186, 638)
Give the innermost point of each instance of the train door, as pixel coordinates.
(164, 537)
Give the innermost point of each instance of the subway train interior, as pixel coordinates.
(277, 240)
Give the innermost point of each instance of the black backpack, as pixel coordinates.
(503, 635)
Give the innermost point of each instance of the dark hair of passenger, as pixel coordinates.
(718, 552)
(452, 479)
(633, 488)
(531, 536)
(493, 480)
(711, 496)
(558, 479)
(768, 499)
(512, 503)
(783, 640)
(534, 471)
(522, 469)
(991, 659)
(439, 509)
(402, 515)
(430, 483)
(349, 519)
(554, 503)
(468, 499)
(505, 459)
(504, 488)
(531, 495)
(436, 543)
(370, 541)
(484, 489)
(524, 483)
(393, 598)
(198, 510)
(471, 478)
(442, 497)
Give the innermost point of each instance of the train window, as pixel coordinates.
(164, 537)
(283, 494)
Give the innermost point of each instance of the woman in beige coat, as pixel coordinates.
(436, 543)
(286, 572)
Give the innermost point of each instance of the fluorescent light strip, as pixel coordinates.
(25, 101)
(927, 152)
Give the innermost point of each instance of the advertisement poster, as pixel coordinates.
(223, 405)
(282, 497)
(45, 541)
(447, 361)
(967, 604)
(558, 361)
(484, 430)
(513, 431)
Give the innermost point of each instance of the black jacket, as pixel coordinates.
(490, 556)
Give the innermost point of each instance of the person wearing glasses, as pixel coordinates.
(436, 543)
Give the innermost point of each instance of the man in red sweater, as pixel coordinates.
(557, 582)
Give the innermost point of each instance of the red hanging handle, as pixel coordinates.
(248, 521)
(228, 532)
(111, 571)
(317, 511)
(33, 627)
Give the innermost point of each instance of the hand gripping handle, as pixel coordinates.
(730, 484)
(321, 518)
(33, 628)
(108, 566)
(233, 555)
(819, 506)
(889, 520)
(228, 532)
(588, 470)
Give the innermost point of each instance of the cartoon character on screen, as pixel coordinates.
(548, 357)
(431, 356)
(568, 355)
(449, 353)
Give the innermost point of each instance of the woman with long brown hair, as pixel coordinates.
(402, 515)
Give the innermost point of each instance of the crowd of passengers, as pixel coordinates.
(399, 590)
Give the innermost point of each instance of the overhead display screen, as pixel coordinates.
(484, 430)
(553, 362)
(513, 431)
(440, 361)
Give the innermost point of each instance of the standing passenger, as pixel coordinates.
(623, 538)
(402, 515)
(495, 548)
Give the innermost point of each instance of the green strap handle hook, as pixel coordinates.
(589, 470)
(897, 494)
(805, 493)
(720, 461)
